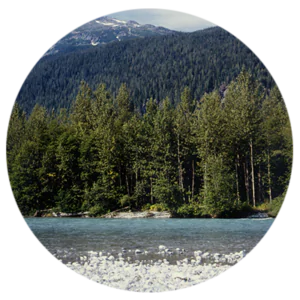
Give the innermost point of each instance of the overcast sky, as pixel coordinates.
(166, 18)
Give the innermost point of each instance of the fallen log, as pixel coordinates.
(110, 213)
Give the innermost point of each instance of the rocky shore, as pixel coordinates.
(259, 215)
(139, 214)
(126, 214)
(120, 273)
(114, 215)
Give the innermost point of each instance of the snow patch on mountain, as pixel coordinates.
(119, 21)
(102, 31)
(106, 23)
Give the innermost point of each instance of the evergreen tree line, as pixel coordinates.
(217, 156)
(156, 67)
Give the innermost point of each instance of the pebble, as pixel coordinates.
(152, 276)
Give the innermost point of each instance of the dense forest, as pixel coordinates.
(153, 67)
(217, 156)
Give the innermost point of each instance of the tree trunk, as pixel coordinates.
(120, 173)
(252, 173)
(127, 185)
(260, 196)
(246, 175)
(180, 173)
(136, 178)
(193, 178)
(237, 178)
(151, 190)
(205, 174)
(269, 177)
(131, 188)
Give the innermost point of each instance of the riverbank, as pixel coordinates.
(133, 215)
(139, 214)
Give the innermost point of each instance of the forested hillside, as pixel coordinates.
(156, 67)
(215, 156)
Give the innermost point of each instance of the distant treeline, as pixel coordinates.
(156, 67)
(199, 158)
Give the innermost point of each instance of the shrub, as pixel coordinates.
(276, 205)
(263, 207)
(127, 201)
(245, 207)
(158, 207)
(85, 206)
(97, 210)
(241, 210)
(146, 207)
(190, 210)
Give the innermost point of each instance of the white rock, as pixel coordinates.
(153, 276)
(138, 251)
(185, 261)
(162, 248)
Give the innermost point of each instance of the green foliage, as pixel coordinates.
(97, 210)
(68, 201)
(166, 193)
(126, 200)
(159, 207)
(276, 205)
(208, 158)
(218, 192)
(241, 210)
(146, 207)
(190, 210)
(156, 67)
(263, 207)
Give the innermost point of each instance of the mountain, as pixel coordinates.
(155, 66)
(102, 31)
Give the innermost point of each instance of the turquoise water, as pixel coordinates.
(68, 238)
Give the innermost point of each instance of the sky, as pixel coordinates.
(166, 18)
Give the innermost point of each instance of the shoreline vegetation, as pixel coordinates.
(226, 155)
(122, 214)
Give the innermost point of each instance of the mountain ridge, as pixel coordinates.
(157, 67)
(102, 31)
